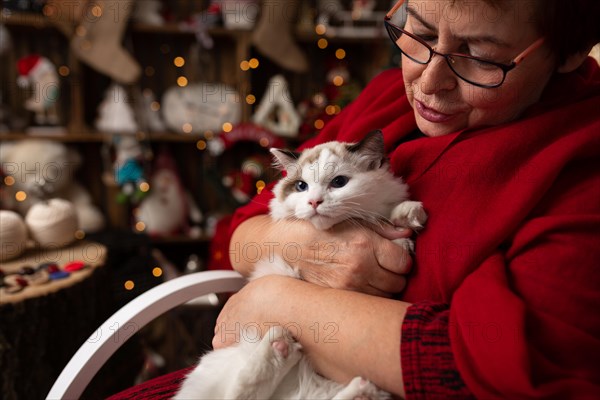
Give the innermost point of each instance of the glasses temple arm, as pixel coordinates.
(534, 46)
(395, 8)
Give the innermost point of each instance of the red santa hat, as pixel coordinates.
(31, 68)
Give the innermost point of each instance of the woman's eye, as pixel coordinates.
(339, 181)
(427, 38)
(301, 186)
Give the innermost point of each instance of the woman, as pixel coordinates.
(502, 299)
(500, 143)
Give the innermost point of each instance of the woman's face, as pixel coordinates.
(442, 102)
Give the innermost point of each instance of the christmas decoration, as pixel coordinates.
(239, 14)
(38, 73)
(128, 168)
(148, 12)
(115, 115)
(273, 35)
(13, 235)
(52, 223)
(201, 107)
(151, 118)
(44, 169)
(276, 111)
(97, 41)
(169, 207)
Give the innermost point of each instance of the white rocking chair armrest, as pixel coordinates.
(115, 331)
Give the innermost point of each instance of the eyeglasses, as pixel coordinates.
(474, 70)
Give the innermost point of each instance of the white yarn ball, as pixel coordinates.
(13, 235)
(52, 223)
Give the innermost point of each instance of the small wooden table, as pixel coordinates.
(42, 326)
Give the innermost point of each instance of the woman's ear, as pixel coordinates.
(574, 61)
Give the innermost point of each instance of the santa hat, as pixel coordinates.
(31, 68)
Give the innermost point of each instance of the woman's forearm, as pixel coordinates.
(342, 331)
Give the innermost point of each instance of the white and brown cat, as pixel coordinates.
(325, 185)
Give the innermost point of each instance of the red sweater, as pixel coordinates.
(506, 282)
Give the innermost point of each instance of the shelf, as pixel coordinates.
(99, 137)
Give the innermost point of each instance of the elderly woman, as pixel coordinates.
(493, 121)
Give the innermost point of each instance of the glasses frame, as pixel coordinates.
(448, 56)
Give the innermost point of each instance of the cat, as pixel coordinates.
(324, 185)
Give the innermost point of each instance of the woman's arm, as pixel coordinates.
(346, 333)
(347, 256)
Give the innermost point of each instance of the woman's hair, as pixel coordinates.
(568, 26)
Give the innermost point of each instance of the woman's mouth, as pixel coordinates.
(432, 115)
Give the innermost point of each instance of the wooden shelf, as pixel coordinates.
(99, 137)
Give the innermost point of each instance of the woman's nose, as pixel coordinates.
(437, 76)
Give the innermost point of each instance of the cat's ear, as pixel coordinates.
(284, 158)
(370, 150)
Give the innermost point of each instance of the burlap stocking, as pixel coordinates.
(97, 40)
(274, 36)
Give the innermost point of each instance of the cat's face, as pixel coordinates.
(329, 183)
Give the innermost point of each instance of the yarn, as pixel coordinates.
(13, 235)
(52, 223)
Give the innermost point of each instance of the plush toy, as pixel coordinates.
(128, 168)
(40, 74)
(168, 209)
(13, 235)
(43, 169)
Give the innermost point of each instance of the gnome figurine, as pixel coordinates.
(40, 74)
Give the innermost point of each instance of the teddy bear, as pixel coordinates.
(43, 169)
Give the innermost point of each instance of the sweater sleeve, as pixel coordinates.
(428, 366)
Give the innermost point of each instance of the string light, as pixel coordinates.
(9, 180)
(250, 99)
(253, 63)
(20, 195)
(144, 187)
(264, 142)
(187, 128)
(319, 124)
(179, 62)
(129, 285)
(338, 80)
(63, 70)
(320, 29)
(157, 271)
(227, 127)
(149, 70)
(182, 81)
(155, 106)
(322, 43)
(201, 145)
(79, 234)
(340, 54)
(140, 226)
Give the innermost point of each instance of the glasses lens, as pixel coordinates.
(475, 71)
(411, 47)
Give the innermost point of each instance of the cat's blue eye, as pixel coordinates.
(339, 181)
(301, 186)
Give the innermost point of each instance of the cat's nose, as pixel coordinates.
(315, 203)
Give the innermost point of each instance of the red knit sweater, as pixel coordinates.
(506, 282)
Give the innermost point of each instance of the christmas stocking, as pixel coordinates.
(273, 36)
(97, 41)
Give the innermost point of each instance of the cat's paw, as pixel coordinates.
(409, 214)
(361, 389)
(407, 244)
(283, 344)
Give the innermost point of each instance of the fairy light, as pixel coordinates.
(319, 124)
(322, 43)
(9, 180)
(157, 271)
(209, 135)
(97, 11)
(227, 127)
(245, 65)
(155, 106)
(20, 195)
(250, 99)
(338, 80)
(253, 63)
(260, 185)
(80, 31)
(330, 110)
(340, 54)
(144, 187)
(63, 70)
(320, 29)
(149, 71)
(182, 81)
(79, 234)
(338, 109)
(179, 62)
(187, 128)
(140, 226)
(129, 285)
(264, 142)
(201, 145)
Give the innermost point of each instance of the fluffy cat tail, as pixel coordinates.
(274, 266)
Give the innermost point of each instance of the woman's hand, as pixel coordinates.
(348, 256)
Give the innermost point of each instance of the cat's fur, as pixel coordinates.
(273, 367)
